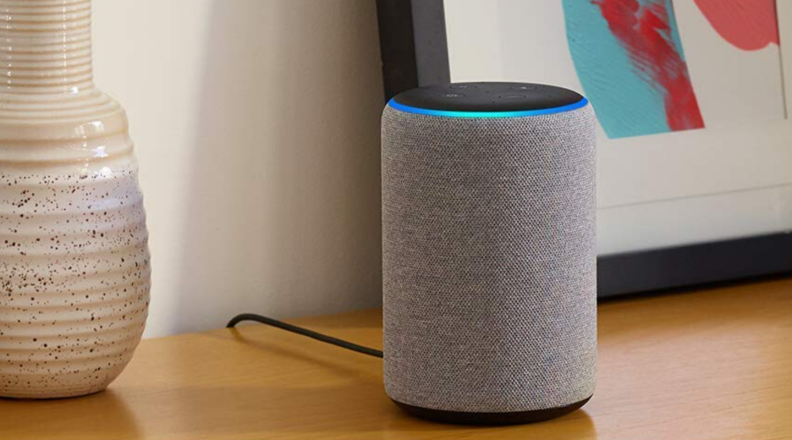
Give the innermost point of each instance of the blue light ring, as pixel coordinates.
(506, 114)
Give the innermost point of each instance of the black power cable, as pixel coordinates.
(303, 331)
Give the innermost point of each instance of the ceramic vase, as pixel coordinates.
(74, 261)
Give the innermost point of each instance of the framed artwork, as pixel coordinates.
(694, 142)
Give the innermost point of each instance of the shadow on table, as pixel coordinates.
(358, 409)
(692, 314)
(357, 371)
(101, 415)
(347, 401)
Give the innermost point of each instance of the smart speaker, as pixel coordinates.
(489, 253)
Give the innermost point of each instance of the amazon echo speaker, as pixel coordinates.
(489, 252)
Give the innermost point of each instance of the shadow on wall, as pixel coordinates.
(284, 209)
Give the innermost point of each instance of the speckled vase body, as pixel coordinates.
(74, 261)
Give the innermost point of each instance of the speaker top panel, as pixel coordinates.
(488, 99)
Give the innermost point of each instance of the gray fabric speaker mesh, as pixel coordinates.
(489, 260)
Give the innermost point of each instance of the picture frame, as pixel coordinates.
(415, 52)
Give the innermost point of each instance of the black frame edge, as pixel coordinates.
(695, 264)
(413, 44)
(431, 42)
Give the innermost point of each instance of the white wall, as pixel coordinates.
(256, 125)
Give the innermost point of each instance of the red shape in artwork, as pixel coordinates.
(645, 32)
(747, 24)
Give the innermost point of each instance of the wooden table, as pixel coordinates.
(712, 364)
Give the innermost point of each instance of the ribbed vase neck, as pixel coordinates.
(45, 46)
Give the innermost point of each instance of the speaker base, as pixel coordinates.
(495, 418)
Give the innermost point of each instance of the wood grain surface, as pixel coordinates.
(711, 364)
